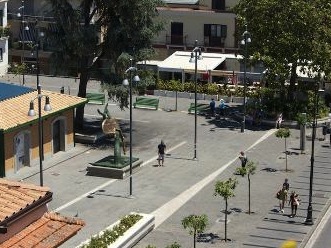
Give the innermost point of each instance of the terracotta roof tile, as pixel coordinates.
(15, 196)
(14, 111)
(49, 231)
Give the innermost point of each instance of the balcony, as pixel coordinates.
(176, 41)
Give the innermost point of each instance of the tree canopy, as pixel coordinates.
(286, 34)
(99, 37)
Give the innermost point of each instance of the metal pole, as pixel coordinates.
(195, 100)
(245, 86)
(40, 140)
(130, 92)
(309, 219)
(23, 30)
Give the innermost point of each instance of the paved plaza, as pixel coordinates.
(186, 186)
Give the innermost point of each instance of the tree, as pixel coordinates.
(126, 29)
(174, 245)
(248, 170)
(298, 35)
(196, 224)
(226, 190)
(284, 133)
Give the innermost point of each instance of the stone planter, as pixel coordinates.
(133, 234)
(209, 97)
(184, 95)
(200, 96)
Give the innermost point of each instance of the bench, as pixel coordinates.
(97, 98)
(146, 102)
(201, 108)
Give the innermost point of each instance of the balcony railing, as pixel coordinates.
(176, 40)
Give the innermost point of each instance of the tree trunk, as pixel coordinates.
(226, 220)
(195, 238)
(84, 77)
(293, 78)
(249, 194)
(285, 155)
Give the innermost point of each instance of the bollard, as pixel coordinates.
(62, 90)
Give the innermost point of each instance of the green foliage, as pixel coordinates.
(174, 245)
(249, 169)
(225, 189)
(283, 45)
(150, 246)
(283, 133)
(195, 223)
(110, 236)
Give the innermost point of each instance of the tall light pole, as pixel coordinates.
(246, 39)
(129, 83)
(195, 55)
(309, 218)
(31, 113)
(24, 28)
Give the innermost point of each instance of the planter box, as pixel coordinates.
(184, 95)
(209, 97)
(132, 235)
(170, 93)
(200, 96)
(159, 93)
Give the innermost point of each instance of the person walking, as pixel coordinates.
(286, 184)
(294, 202)
(282, 197)
(222, 107)
(161, 151)
(212, 106)
(243, 159)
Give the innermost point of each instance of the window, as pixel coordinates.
(218, 4)
(1, 55)
(215, 34)
(215, 30)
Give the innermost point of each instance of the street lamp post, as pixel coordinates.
(24, 28)
(31, 112)
(195, 55)
(246, 39)
(309, 218)
(129, 83)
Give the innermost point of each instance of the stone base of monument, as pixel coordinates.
(107, 167)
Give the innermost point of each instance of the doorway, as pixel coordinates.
(21, 150)
(58, 135)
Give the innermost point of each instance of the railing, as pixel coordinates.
(176, 40)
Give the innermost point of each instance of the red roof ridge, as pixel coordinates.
(15, 184)
(69, 220)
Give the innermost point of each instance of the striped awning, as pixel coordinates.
(27, 36)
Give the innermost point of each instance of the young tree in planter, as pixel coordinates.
(248, 170)
(284, 133)
(174, 245)
(196, 224)
(226, 190)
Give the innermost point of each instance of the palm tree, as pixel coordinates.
(248, 170)
(196, 224)
(226, 190)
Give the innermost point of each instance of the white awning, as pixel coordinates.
(180, 61)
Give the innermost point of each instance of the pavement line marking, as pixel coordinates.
(169, 208)
(168, 150)
(318, 230)
(84, 195)
(68, 204)
(99, 117)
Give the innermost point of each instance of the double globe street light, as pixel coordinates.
(196, 55)
(32, 113)
(246, 38)
(127, 82)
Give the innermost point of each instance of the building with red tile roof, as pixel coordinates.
(19, 136)
(25, 220)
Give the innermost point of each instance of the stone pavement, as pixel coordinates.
(185, 186)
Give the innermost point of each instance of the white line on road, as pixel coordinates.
(84, 195)
(165, 211)
(169, 150)
(107, 183)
